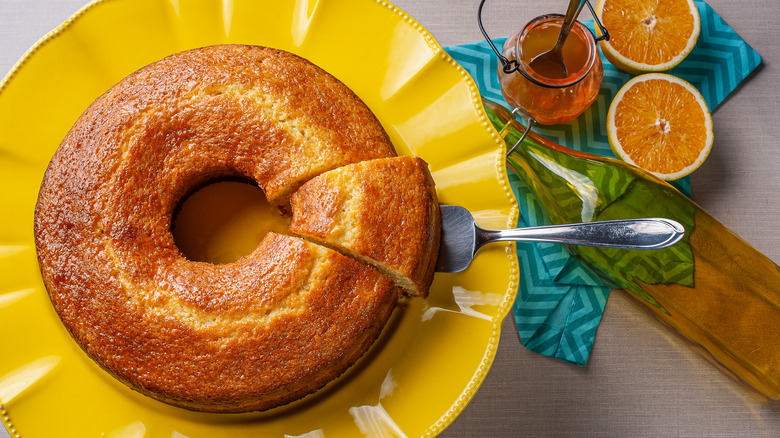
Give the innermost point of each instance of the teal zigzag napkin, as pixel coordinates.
(560, 302)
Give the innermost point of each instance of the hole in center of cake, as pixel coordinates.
(224, 221)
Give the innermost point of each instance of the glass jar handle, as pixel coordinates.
(513, 66)
(531, 123)
(509, 66)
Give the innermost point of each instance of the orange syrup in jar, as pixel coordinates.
(552, 99)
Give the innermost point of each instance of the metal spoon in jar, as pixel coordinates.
(551, 62)
(461, 238)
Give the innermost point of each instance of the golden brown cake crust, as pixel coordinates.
(249, 335)
(383, 211)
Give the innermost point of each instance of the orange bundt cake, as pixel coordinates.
(253, 334)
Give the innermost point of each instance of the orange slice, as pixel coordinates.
(660, 123)
(648, 35)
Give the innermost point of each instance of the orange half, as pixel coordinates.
(660, 123)
(648, 35)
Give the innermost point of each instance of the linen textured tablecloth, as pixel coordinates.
(560, 302)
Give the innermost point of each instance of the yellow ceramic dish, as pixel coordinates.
(434, 353)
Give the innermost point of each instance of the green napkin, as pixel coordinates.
(560, 302)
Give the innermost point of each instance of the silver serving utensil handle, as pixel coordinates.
(644, 233)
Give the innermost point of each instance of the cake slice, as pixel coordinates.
(382, 212)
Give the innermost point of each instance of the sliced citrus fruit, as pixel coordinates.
(648, 35)
(660, 123)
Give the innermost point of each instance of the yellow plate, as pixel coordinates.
(434, 353)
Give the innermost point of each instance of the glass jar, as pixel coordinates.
(547, 99)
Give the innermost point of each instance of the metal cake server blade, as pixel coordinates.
(461, 237)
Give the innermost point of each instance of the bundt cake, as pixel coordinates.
(253, 334)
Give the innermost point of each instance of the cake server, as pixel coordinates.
(461, 237)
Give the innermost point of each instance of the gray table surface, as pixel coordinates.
(640, 381)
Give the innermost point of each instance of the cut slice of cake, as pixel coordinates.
(382, 212)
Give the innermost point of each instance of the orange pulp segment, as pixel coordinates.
(660, 123)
